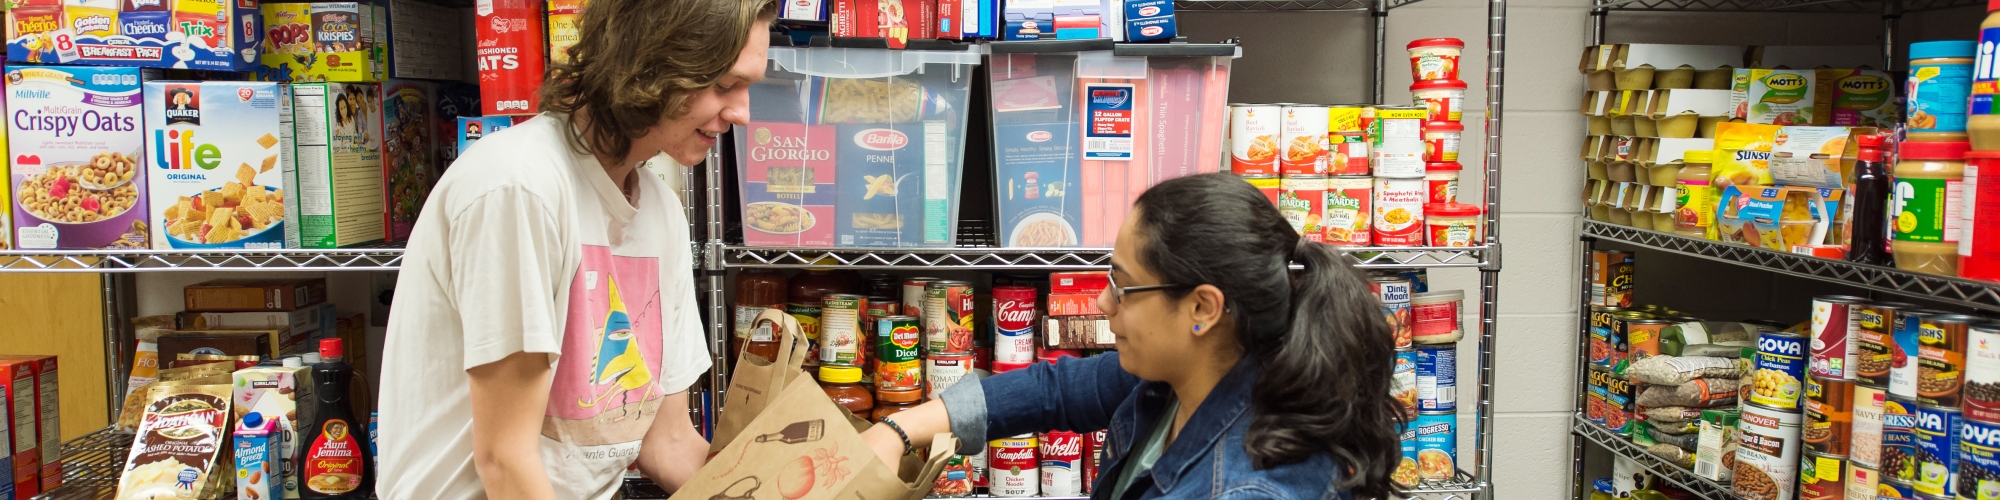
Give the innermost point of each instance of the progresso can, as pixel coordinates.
(1269, 184)
(948, 317)
(1829, 410)
(1979, 460)
(1937, 444)
(1437, 445)
(1062, 463)
(1822, 477)
(1781, 363)
(1394, 292)
(1437, 377)
(1348, 221)
(1877, 341)
(1012, 469)
(1014, 315)
(1899, 440)
(1302, 200)
(1835, 320)
(1941, 358)
(898, 364)
(1767, 452)
(1403, 381)
(1866, 435)
(840, 329)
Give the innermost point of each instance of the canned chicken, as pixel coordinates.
(1437, 445)
(1302, 136)
(1780, 364)
(898, 366)
(1011, 467)
(1767, 453)
(1437, 377)
(1267, 184)
(1014, 314)
(1302, 200)
(1937, 445)
(1979, 460)
(948, 317)
(1253, 138)
(1396, 142)
(1982, 373)
(1829, 411)
(1865, 444)
(1899, 440)
(1347, 220)
(1835, 319)
(1399, 211)
(840, 329)
(1821, 477)
(1394, 292)
(1876, 341)
(1062, 463)
(1941, 358)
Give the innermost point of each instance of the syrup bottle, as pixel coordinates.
(334, 463)
(1868, 224)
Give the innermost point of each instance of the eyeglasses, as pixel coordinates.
(1118, 292)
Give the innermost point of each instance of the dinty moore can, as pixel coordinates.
(1394, 292)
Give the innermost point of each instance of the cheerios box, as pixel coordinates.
(75, 135)
(213, 165)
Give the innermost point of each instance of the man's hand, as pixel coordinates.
(509, 397)
(672, 450)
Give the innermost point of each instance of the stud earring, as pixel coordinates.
(1197, 328)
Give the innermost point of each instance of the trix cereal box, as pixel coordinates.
(1037, 170)
(339, 152)
(184, 34)
(75, 143)
(320, 42)
(409, 161)
(214, 165)
(20, 460)
(789, 186)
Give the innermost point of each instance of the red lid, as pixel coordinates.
(1443, 165)
(1992, 5)
(1874, 140)
(1452, 210)
(1933, 150)
(1051, 355)
(1444, 126)
(1442, 84)
(1008, 367)
(1982, 155)
(1439, 42)
(330, 349)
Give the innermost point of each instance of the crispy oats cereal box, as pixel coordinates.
(213, 165)
(76, 138)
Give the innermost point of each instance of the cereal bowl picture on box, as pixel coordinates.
(214, 166)
(74, 140)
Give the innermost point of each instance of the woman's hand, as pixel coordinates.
(887, 445)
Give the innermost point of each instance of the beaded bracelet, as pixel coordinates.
(907, 447)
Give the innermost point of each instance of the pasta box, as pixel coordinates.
(1037, 168)
(883, 186)
(75, 141)
(1149, 20)
(213, 165)
(789, 184)
(219, 35)
(338, 133)
(409, 161)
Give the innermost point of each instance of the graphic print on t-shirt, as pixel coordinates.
(606, 387)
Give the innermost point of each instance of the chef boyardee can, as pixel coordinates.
(1781, 363)
(1437, 377)
(1978, 460)
(1937, 441)
(1822, 477)
(1899, 440)
(1829, 410)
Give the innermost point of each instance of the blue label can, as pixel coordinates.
(1903, 376)
(1894, 489)
(1437, 378)
(1403, 381)
(1899, 440)
(1437, 445)
(1937, 444)
(1781, 363)
(1978, 460)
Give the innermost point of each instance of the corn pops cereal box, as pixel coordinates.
(213, 165)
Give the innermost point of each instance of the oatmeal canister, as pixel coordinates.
(1978, 460)
(1347, 221)
(1302, 200)
(1767, 453)
(1780, 364)
(1941, 358)
(1829, 410)
(1821, 477)
(1937, 445)
(1899, 440)
(1876, 339)
(1865, 443)
(1834, 323)
(1982, 373)
(1399, 212)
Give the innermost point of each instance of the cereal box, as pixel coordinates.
(187, 34)
(339, 153)
(1037, 168)
(471, 128)
(319, 42)
(454, 100)
(789, 185)
(565, 23)
(409, 164)
(48, 416)
(6, 223)
(276, 391)
(881, 201)
(213, 165)
(76, 138)
(20, 457)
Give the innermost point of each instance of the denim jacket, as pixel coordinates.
(1207, 460)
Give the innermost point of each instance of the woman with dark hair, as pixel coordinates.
(1235, 377)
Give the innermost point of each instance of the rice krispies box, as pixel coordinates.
(323, 42)
(217, 35)
(409, 164)
(76, 137)
(789, 188)
(214, 165)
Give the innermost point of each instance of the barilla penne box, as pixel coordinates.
(882, 184)
(789, 184)
(1037, 170)
(75, 134)
(214, 165)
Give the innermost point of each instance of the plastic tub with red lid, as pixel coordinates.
(1441, 141)
(1444, 100)
(1454, 225)
(1435, 58)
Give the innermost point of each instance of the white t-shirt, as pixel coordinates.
(527, 246)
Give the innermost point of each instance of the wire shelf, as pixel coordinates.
(1045, 258)
(1270, 5)
(123, 261)
(1462, 486)
(91, 466)
(1683, 478)
(1977, 294)
(1820, 6)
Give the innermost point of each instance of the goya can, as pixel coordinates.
(1937, 447)
(1302, 200)
(1302, 137)
(1899, 440)
(1903, 366)
(1399, 211)
(1982, 373)
(1015, 311)
(1865, 443)
(1979, 460)
(1269, 184)
(1394, 292)
(1347, 221)
(1396, 141)
(942, 370)
(1829, 410)
(1012, 469)
(1877, 345)
(1437, 377)
(1767, 452)
(1941, 358)
(1437, 445)
(898, 364)
(840, 329)
(1835, 319)
(1781, 362)
(948, 317)
(1253, 138)
(1403, 381)
(1822, 477)
(1862, 481)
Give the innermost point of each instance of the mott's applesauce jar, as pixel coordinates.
(1940, 82)
(1924, 207)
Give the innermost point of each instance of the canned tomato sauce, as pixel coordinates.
(1937, 445)
(1982, 373)
(1865, 445)
(1399, 211)
(1302, 200)
(840, 329)
(1347, 220)
(1394, 292)
(942, 370)
(1834, 323)
(1253, 138)
(1267, 184)
(1941, 358)
(1979, 460)
(1781, 362)
(1899, 440)
(1876, 340)
(1767, 453)
(948, 317)
(1822, 477)
(1829, 410)
(1302, 136)
(913, 296)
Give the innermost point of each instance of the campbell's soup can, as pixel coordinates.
(1062, 463)
(1861, 481)
(942, 370)
(1347, 220)
(913, 296)
(1865, 435)
(1835, 319)
(1937, 445)
(1396, 142)
(1268, 184)
(1982, 373)
(1399, 211)
(1253, 138)
(1302, 134)
(1822, 477)
(1394, 292)
(1941, 358)
(1780, 366)
(1347, 141)
(509, 51)
(1014, 312)
(948, 317)
(1767, 452)
(1012, 470)
(1829, 409)
(1979, 459)
(1876, 339)
(1302, 200)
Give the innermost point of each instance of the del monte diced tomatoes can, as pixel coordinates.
(897, 365)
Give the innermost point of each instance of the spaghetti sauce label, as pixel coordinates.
(333, 462)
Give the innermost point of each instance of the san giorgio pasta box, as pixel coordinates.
(214, 166)
(789, 185)
(1038, 168)
(883, 185)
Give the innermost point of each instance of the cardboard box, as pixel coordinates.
(320, 42)
(790, 185)
(1604, 66)
(1077, 332)
(1816, 56)
(409, 161)
(215, 166)
(1038, 168)
(881, 192)
(213, 35)
(564, 24)
(276, 391)
(18, 413)
(1149, 20)
(1078, 282)
(48, 417)
(471, 128)
(1073, 304)
(305, 322)
(1611, 278)
(243, 295)
(339, 153)
(1065, 19)
(265, 344)
(52, 151)
(6, 222)
(803, 10)
(1855, 98)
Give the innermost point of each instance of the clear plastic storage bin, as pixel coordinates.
(1082, 127)
(856, 147)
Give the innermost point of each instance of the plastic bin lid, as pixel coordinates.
(1177, 49)
(840, 62)
(1050, 46)
(1940, 49)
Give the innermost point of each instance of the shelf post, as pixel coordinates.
(1892, 14)
(1379, 12)
(1489, 276)
(713, 279)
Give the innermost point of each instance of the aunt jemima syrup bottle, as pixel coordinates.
(334, 463)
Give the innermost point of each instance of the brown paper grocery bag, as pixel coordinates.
(804, 447)
(756, 380)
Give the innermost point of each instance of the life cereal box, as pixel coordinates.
(409, 162)
(213, 165)
(789, 184)
(185, 34)
(75, 138)
(338, 132)
(1038, 169)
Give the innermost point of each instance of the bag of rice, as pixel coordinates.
(1669, 370)
(1698, 393)
(1672, 415)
